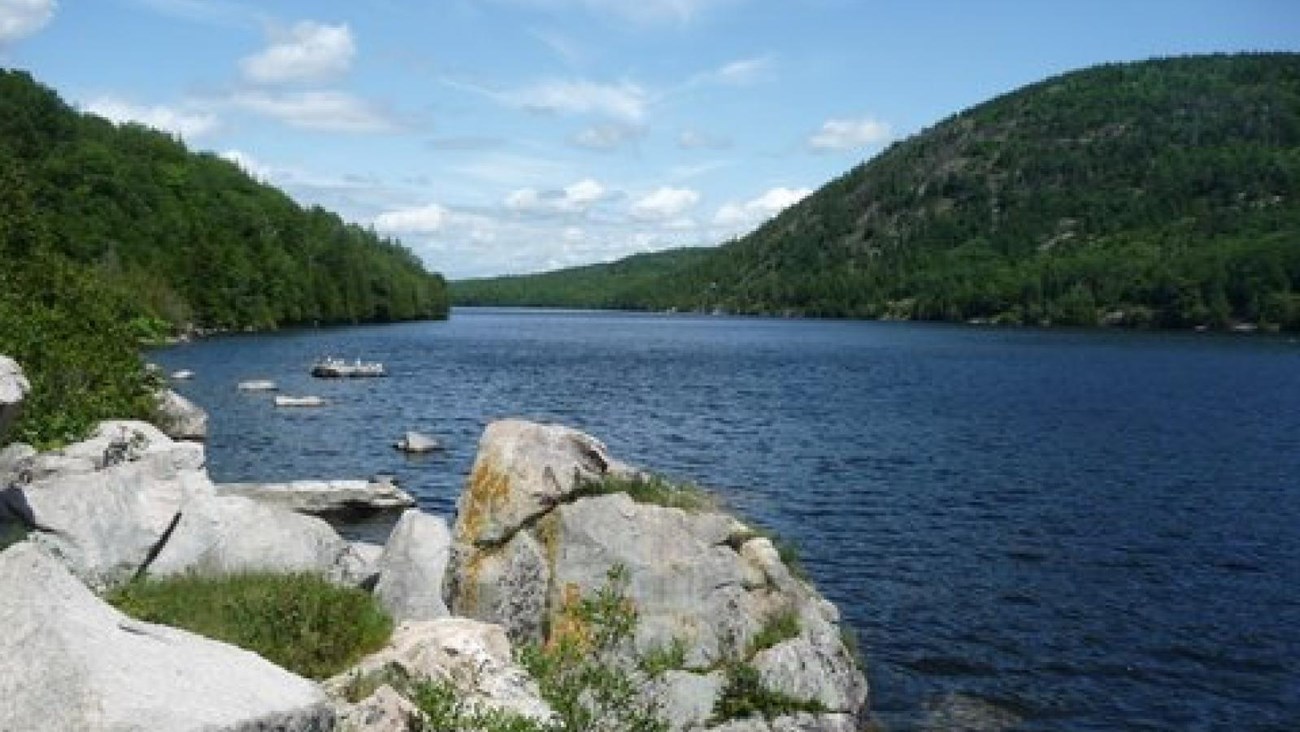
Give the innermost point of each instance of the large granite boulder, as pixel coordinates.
(180, 418)
(474, 658)
(219, 534)
(413, 567)
(13, 389)
(72, 662)
(105, 505)
(530, 535)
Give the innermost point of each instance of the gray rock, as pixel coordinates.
(688, 698)
(522, 470)
(226, 534)
(473, 657)
(965, 713)
(385, 710)
(413, 566)
(528, 542)
(73, 662)
(104, 505)
(326, 497)
(13, 389)
(14, 460)
(180, 418)
(417, 442)
(258, 385)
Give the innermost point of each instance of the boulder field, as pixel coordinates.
(531, 534)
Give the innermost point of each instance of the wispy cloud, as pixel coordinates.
(427, 219)
(744, 215)
(623, 101)
(692, 139)
(22, 18)
(188, 123)
(308, 51)
(608, 136)
(331, 111)
(849, 134)
(741, 72)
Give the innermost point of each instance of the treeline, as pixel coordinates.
(1161, 193)
(194, 238)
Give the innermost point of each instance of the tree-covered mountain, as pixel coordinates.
(1164, 192)
(193, 237)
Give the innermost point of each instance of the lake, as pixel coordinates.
(1094, 530)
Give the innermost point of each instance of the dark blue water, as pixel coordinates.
(1094, 530)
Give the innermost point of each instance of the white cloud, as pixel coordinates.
(21, 18)
(624, 101)
(574, 198)
(606, 137)
(665, 204)
(316, 110)
(308, 51)
(426, 219)
(849, 134)
(186, 123)
(747, 214)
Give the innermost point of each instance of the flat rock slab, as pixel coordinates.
(325, 497)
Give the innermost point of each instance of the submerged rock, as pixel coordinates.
(72, 662)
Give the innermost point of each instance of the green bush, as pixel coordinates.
(781, 626)
(444, 712)
(299, 621)
(587, 670)
(744, 695)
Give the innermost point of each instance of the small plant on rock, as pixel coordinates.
(654, 490)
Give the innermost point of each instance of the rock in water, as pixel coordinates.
(180, 418)
(72, 662)
(13, 389)
(412, 567)
(529, 536)
(416, 442)
(341, 498)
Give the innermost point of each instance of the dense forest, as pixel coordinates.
(194, 238)
(1161, 193)
(113, 234)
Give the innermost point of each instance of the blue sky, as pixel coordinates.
(510, 136)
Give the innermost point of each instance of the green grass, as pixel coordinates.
(299, 621)
(445, 712)
(781, 626)
(654, 490)
(744, 695)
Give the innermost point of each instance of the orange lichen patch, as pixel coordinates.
(569, 628)
(485, 494)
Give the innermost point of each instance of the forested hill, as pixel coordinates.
(1164, 192)
(191, 237)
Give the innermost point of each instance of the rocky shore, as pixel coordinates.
(533, 532)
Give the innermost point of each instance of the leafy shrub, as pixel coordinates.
(299, 621)
(745, 695)
(444, 712)
(587, 670)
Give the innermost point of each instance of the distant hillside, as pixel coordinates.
(191, 236)
(1162, 193)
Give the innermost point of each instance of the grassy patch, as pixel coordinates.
(744, 695)
(665, 658)
(443, 711)
(781, 626)
(299, 621)
(654, 490)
